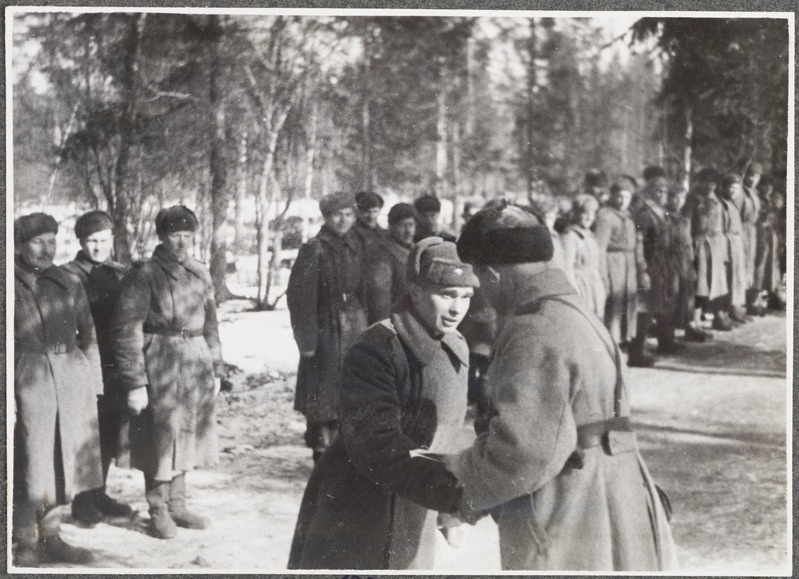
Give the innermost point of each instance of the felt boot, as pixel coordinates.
(182, 516)
(161, 524)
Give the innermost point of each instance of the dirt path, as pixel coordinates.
(711, 423)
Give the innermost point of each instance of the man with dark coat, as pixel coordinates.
(101, 277)
(366, 227)
(165, 341)
(428, 208)
(325, 300)
(595, 183)
(371, 500)
(767, 261)
(558, 465)
(56, 383)
(386, 262)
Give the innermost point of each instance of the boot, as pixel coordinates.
(722, 322)
(637, 358)
(694, 334)
(161, 524)
(738, 315)
(177, 506)
(110, 507)
(666, 341)
(84, 508)
(55, 550)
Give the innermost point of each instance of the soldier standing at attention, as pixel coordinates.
(101, 277)
(366, 227)
(56, 383)
(326, 307)
(165, 340)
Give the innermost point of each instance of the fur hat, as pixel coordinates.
(427, 203)
(92, 222)
(755, 168)
(624, 183)
(401, 211)
(333, 202)
(731, 179)
(707, 174)
(366, 200)
(435, 261)
(175, 218)
(502, 234)
(29, 226)
(595, 178)
(654, 171)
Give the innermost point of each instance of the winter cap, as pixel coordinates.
(333, 202)
(624, 183)
(366, 200)
(92, 222)
(731, 179)
(595, 178)
(435, 261)
(175, 218)
(585, 203)
(707, 174)
(401, 211)
(504, 233)
(427, 203)
(755, 168)
(654, 171)
(29, 226)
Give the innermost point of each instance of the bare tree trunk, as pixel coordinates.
(241, 191)
(441, 130)
(688, 151)
(532, 80)
(265, 203)
(366, 129)
(310, 154)
(218, 261)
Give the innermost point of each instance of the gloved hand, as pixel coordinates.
(137, 400)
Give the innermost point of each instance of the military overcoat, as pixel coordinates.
(705, 215)
(165, 335)
(662, 245)
(56, 382)
(736, 252)
(386, 283)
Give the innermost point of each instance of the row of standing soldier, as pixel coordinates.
(110, 363)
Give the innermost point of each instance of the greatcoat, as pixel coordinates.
(705, 215)
(736, 252)
(617, 239)
(164, 334)
(56, 382)
(767, 262)
(551, 373)
(325, 300)
(370, 503)
(386, 283)
(748, 205)
(583, 264)
(102, 282)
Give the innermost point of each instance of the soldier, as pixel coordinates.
(558, 465)
(427, 225)
(366, 227)
(747, 201)
(101, 277)
(731, 186)
(165, 341)
(595, 183)
(386, 261)
(705, 214)
(767, 261)
(325, 300)
(617, 239)
(56, 383)
(583, 262)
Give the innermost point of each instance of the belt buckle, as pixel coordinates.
(184, 333)
(60, 348)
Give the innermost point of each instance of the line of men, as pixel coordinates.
(110, 363)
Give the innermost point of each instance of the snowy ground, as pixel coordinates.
(711, 423)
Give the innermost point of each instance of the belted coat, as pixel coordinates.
(584, 263)
(56, 383)
(705, 215)
(386, 282)
(662, 245)
(736, 252)
(164, 335)
(325, 300)
(370, 503)
(767, 260)
(552, 372)
(748, 205)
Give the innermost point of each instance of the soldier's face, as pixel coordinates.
(587, 217)
(178, 243)
(751, 180)
(97, 246)
(369, 217)
(341, 221)
(441, 308)
(38, 252)
(621, 199)
(429, 219)
(403, 230)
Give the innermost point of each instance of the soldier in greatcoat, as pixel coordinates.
(625, 266)
(372, 498)
(428, 209)
(583, 262)
(734, 233)
(385, 263)
(767, 262)
(165, 339)
(706, 217)
(326, 306)
(747, 201)
(558, 465)
(366, 226)
(56, 382)
(101, 277)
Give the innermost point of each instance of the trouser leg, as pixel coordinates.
(637, 356)
(157, 493)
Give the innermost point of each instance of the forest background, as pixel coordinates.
(249, 119)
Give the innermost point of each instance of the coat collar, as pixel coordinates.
(550, 282)
(416, 337)
(327, 235)
(29, 278)
(659, 212)
(172, 266)
(86, 264)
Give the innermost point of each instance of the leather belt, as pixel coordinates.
(620, 250)
(591, 435)
(174, 332)
(59, 348)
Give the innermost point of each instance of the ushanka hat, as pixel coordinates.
(29, 226)
(435, 261)
(333, 202)
(504, 233)
(92, 222)
(731, 179)
(427, 203)
(175, 218)
(401, 211)
(366, 200)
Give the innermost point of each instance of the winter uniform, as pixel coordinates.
(385, 278)
(583, 263)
